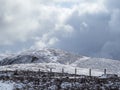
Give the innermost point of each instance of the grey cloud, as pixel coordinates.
(112, 4)
(100, 36)
(21, 20)
(91, 38)
(89, 27)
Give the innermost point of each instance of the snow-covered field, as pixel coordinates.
(57, 60)
(55, 68)
(6, 85)
(66, 84)
(47, 58)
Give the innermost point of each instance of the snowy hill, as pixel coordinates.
(3, 56)
(41, 56)
(44, 58)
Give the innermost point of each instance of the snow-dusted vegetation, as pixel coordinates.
(6, 85)
(38, 80)
(47, 57)
(53, 69)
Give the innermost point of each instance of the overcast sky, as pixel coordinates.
(87, 27)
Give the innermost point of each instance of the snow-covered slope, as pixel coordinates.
(3, 56)
(6, 86)
(55, 68)
(41, 56)
(58, 59)
(99, 63)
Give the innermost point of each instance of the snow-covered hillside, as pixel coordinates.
(6, 86)
(47, 57)
(41, 56)
(3, 56)
(54, 66)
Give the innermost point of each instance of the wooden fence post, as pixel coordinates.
(90, 72)
(50, 70)
(39, 72)
(75, 72)
(105, 70)
(62, 72)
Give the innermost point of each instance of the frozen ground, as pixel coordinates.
(6, 85)
(56, 59)
(55, 68)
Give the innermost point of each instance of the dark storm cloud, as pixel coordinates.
(89, 27)
(112, 4)
(96, 34)
(90, 35)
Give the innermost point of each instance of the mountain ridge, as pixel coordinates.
(57, 56)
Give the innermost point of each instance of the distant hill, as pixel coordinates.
(57, 59)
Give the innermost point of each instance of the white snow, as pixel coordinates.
(58, 59)
(56, 67)
(6, 85)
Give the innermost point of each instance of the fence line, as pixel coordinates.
(75, 72)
